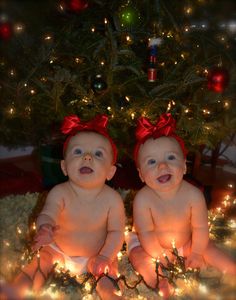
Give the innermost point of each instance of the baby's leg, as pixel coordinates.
(33, 276)
(145, 266)
(106, 289)
(219, 259)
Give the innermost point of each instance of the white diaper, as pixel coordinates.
(132, 241)
(75, 264)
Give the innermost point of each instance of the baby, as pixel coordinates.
(168, 209)
(82, 223)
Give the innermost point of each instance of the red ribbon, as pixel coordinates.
(73, 124)
(165, 126)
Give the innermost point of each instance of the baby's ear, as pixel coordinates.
(63, 167)
(140, 175)
(185, 167)
(111, 172)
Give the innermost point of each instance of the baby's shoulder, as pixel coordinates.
(143, 196)
(58, 191)
(111, 194)
(193, 193)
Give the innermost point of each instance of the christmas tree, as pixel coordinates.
(123, 58)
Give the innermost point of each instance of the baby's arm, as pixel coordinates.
(200, 231)
(114, 239)
(46, 221)
(144, 226)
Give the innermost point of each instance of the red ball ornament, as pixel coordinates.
(76, 5)
(5, 31)
(218, 79)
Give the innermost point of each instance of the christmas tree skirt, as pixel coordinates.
(17, 214)
(14, 180)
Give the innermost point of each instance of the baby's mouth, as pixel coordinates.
(164, 178)
(85, 170)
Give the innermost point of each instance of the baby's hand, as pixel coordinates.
(44, 236)
(195, 260)
(99, 264)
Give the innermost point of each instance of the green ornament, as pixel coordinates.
(98, 84)
(129, 15)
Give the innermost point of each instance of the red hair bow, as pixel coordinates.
(165, 126)
(72, 124)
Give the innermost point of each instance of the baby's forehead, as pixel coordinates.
(90, 137)
(159, 145)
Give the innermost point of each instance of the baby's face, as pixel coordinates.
(88, 160)
(161, 163)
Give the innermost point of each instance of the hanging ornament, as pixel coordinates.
(75, 5)
(152, 70)
(129, 15)
(5, 31)
(98, 84)
(218, 79)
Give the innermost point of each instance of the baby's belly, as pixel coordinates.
(169, 238)
(80, 244)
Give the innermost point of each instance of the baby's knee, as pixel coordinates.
(138, 256)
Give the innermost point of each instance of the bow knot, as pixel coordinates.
(165, 126)
(73, 124)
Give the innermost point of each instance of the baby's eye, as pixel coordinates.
(171, 157)
(78, 151)
(98, 153)
(151, 161)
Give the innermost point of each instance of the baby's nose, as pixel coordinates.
(162, 165)
(87, 156)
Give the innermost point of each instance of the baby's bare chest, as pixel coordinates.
(84, 216)
(171, 213)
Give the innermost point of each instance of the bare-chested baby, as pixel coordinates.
(168, 209)
(82, 222)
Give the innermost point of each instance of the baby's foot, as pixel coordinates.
(9, 292)
(165, 289)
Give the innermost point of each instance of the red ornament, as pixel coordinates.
(5, 31)
(218, 79)
(76, 5)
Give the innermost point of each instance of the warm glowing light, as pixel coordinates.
(232, 224)
(19, 28)
(118, 293)
(87, 286)
(6, 243)
(12, 72)
(93, 29)
(119, 255)
(188, 10)
(128, 38)
(18, 230)
(11, 110)
(108, 108)
(203, 289)
(47, 38)
(206, 112)
(105, 21)
(173, 243)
